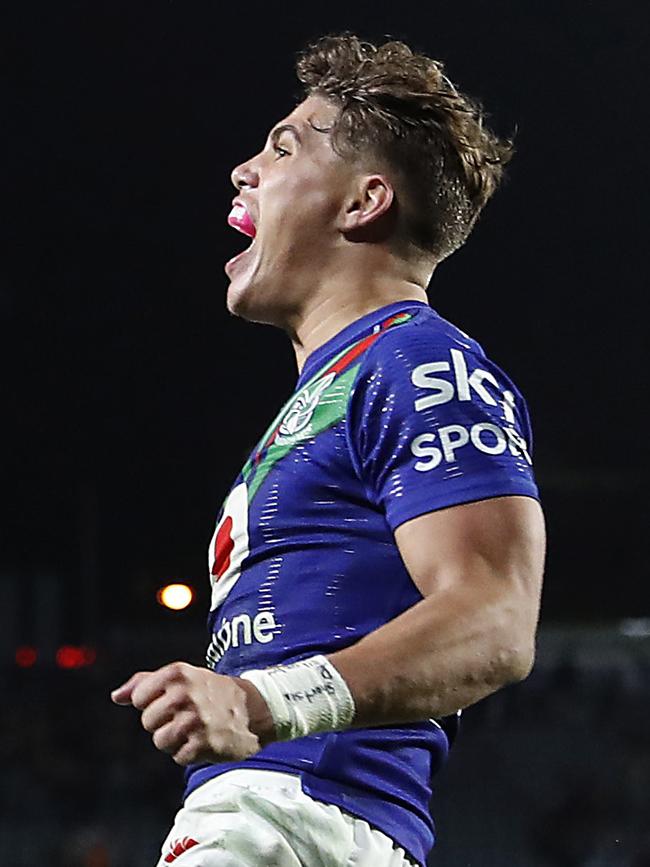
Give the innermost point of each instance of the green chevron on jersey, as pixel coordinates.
(317, 406)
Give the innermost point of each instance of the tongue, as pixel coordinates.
(240, 219)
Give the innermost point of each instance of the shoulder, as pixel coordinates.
(426, 330)
(426, 336)
(433, 422)
(435, 361)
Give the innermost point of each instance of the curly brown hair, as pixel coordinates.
(399, 107)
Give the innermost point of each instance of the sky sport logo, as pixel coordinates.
(487, 437)
(484, 436)
(462, 386)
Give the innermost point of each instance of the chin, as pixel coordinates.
(257, 299)
(240, 301)
(236, 302)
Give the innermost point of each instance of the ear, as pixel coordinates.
(367, 204)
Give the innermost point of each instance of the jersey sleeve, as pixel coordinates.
(433, 423)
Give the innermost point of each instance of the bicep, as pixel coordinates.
(485, 547)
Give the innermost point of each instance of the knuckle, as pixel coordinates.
(159, 739)
(137, 699)
(189, 752)
(172, 671)
(176, 699)
(184, 758)
(178, 672)
(166, 740)
(148, 722)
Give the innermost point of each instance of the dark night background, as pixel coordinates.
(130, 396)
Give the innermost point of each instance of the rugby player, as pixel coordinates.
(377, 564)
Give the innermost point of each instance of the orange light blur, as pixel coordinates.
(175, 596)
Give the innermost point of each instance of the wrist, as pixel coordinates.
(260, 720)
(303, 697)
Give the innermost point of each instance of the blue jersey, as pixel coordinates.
(398, 415)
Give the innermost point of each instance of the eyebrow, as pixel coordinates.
(275, 134)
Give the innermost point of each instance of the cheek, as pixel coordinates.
(304, 205)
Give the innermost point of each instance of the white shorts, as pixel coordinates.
(253, 818)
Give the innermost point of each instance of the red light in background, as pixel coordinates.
(70, 657)
(26, 657)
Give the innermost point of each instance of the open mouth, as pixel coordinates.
(240, 219)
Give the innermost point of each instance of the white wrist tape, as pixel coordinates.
(304, 697)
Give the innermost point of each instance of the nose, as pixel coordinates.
(245, 176)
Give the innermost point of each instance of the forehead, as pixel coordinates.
(314, 111)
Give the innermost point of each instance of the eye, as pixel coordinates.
(280, 151)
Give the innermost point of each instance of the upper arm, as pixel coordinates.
(486, 549)
(442, 441)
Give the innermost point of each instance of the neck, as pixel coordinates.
(339, 303)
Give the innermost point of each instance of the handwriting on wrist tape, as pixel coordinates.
(310, 695)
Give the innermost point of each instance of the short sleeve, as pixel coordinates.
(433, 423)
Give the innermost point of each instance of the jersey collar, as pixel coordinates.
(351, 333)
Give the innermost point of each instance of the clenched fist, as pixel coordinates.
(194, 714)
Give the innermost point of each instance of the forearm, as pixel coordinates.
(443, 654)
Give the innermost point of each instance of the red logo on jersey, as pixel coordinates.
(178, 847)
(229, 545)
(223, 545)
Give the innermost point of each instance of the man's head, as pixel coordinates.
(382, 151)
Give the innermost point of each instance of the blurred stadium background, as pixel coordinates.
(129, 399)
